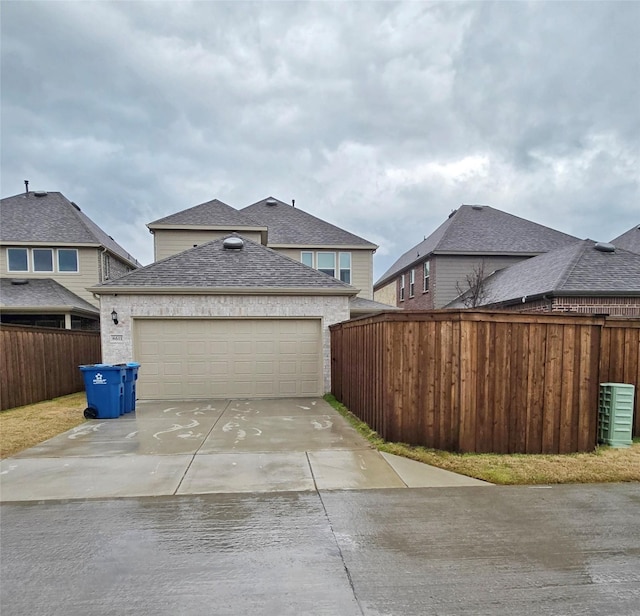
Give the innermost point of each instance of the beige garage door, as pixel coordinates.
(228, 358)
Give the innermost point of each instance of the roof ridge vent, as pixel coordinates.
(233, 243)
(605, 247)
(19, 281)
(477, 207)
(271, 201)
(39, 193)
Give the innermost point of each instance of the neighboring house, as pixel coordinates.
(229, 318)
(475, 239)
(47, 242)
(585, 277)
(43, 302)
(630, 240)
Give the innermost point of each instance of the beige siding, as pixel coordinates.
(77, 282)
(387, 294)
(361, 266)
(169, 242)
(453, 270)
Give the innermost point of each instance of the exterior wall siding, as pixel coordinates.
(361, 266)
(117, 340)
(448, 271)
(387, 294)
(167, 242)
(77, 282)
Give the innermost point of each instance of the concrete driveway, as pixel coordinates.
(216, 446)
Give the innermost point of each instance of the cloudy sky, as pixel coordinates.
(380, 117)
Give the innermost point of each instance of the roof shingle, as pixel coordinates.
(482, 230)
(291, 226)
(576, 269)
(40, 292)
(630, 240)
(52, 218)
(210, 213)
(212, 266)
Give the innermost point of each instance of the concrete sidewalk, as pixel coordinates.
(217, 446)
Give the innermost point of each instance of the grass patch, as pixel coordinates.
(605, 464)
(26, 426)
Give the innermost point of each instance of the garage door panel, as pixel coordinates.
(220, 358)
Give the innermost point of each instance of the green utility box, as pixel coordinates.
(615, 414)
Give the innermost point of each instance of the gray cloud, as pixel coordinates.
(380, 117)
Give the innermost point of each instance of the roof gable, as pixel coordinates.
(52, 218)
(482, 230)
(291, 226)
(577, 269)
(630, 240)
(212, 266)
(211, 213)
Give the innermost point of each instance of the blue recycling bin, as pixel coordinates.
(104, 386)
(131, 377)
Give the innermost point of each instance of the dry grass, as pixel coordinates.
(603, 465)
(26, 426)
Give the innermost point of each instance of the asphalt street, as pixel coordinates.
(447, 551)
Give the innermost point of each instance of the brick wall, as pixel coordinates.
(613, 306)
(421, 300)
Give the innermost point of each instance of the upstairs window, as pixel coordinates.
(426, 276)
(402, 288)
(307, 258)
(17, 260)
(67, 260)
(327, 263)
(42, 259)
(412, 282)
(345, 267)
(106, 267)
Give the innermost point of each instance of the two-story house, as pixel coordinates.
(238, 303)
(50, 253)
(473, 242)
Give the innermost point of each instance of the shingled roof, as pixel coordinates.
(212, 213)
(630, 240)
(211, 267)
(482, 230)
(291, 226)
(580, 269)
(32, 293)
(49, 217)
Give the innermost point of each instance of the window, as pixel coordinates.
(307, 258)
(402, 288)
(17, 259)
(327, 263)
(412, 282)
(426, 276)
(42, 259)
(67, 260)
(345, 267)
(106, 267)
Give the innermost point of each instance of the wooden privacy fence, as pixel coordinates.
(38, 364)
(477, 381)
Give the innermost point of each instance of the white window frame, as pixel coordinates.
(61, 271)
(345, 269)
(426, 273)
(26, 250)
(51, 251)
(106, 266)
(322, 252)
(402, 282)
(307, 252)
(412, 282)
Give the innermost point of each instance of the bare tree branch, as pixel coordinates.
(472, 291)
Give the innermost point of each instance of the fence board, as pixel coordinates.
(39, 364)
(483, 381)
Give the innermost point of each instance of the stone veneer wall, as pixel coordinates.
(117, 340)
